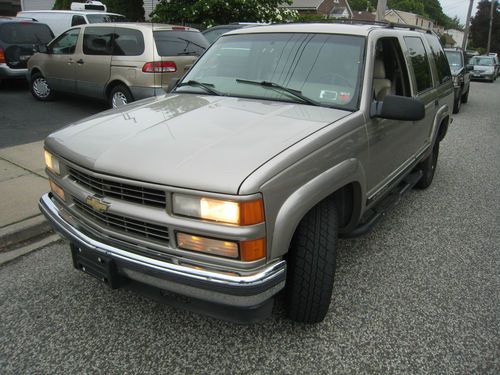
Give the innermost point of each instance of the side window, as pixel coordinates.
(128, 42)
(97, 40)
(420, 63)
(390, 75)
(78, 20)
(442, 66)
(66, 43)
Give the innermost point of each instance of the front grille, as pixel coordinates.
(113, 189)
(124, 224)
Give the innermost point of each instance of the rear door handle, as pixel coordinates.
(80, 61)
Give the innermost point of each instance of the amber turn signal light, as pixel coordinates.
(56, 189)
(253, 250)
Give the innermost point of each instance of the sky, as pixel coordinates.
(458, 8)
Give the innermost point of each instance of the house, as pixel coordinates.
(326, 8)
(362, 15)
(457, 35)
(398, 16)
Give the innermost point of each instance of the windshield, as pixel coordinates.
(176, 43)
(483, 61)
(454, 59)
(100, 18)
(25, 33)
(323, 68)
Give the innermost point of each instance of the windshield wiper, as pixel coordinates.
(191, 42)
(296, 93)
(205, 86)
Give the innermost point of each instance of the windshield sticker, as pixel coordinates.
(344, 97)
(328, 95)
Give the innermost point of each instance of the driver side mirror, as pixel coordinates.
(395, 107)
(42, 48)
(469, 67)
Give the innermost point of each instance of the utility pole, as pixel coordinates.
(381, 4)
(493, 6)
(467, 22)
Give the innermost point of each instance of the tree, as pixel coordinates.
(216, 12)
(480, 23)
(132, 9)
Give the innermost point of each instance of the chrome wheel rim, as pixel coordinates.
(41, 88)
(119, 99)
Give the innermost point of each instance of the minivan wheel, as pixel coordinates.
(40, 89)
(428, 168)
(119, 96)
(311, 264)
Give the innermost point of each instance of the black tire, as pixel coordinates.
(311, 264)
(465, 96)
(428, 167)
(119, 95)
(457, 103)
(40, 89)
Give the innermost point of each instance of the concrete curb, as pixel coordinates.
(23, 231)
(11, 255)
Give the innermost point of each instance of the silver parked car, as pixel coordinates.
(237, 184)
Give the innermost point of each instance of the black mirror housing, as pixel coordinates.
(42, 48)
(469, 67)
(395, 107)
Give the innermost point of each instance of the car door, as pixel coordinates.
(59, 64)
(94, 64)
(392, 143)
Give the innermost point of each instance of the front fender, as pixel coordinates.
(309, 194)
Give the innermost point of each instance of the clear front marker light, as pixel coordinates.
(206, 245)
(51, 162)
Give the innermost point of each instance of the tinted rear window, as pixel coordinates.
(25, 33)
(97, 40)
(100, 18)
(179, 43)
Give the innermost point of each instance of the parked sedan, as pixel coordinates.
(119, 62)
(485, 68)
(17, 38)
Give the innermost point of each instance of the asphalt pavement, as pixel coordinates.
(24, 119)
(420, 294)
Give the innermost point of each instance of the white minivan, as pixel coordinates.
(61, 20)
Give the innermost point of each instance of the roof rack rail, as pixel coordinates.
(392, 25)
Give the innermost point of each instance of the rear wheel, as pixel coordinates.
(465, 96)
(119, 96)
(311, 264)
(428, 167)
(40, 89)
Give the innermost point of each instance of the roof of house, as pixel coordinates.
(303, 4)
(363, 15)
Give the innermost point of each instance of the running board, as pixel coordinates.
(385, 205)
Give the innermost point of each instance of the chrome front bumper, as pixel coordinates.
(208, 285)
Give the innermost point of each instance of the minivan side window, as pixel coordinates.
(128, 42)
(420, 63)
(97, 40)
(65, 44)
(442, 66)
(78, 20)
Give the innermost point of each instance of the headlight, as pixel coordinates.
(51, 162)
(223, 211)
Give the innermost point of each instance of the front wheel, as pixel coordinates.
(40, 88)
(119, 96)
(311, 264)
(428, 167)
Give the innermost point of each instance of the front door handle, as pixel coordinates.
(80, 62)
(436, 103)
(70, 61)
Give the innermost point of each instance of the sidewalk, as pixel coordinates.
(22, 182)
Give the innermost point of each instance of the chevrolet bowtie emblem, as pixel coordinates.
(97, 203)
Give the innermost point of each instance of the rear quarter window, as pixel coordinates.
(128, 42)
(98, 40)
(25, 33)
(419, 63)
(442, 66)
(180, 43)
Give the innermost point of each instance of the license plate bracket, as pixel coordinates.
(97, 265)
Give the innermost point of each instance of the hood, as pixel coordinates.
(201, 142)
